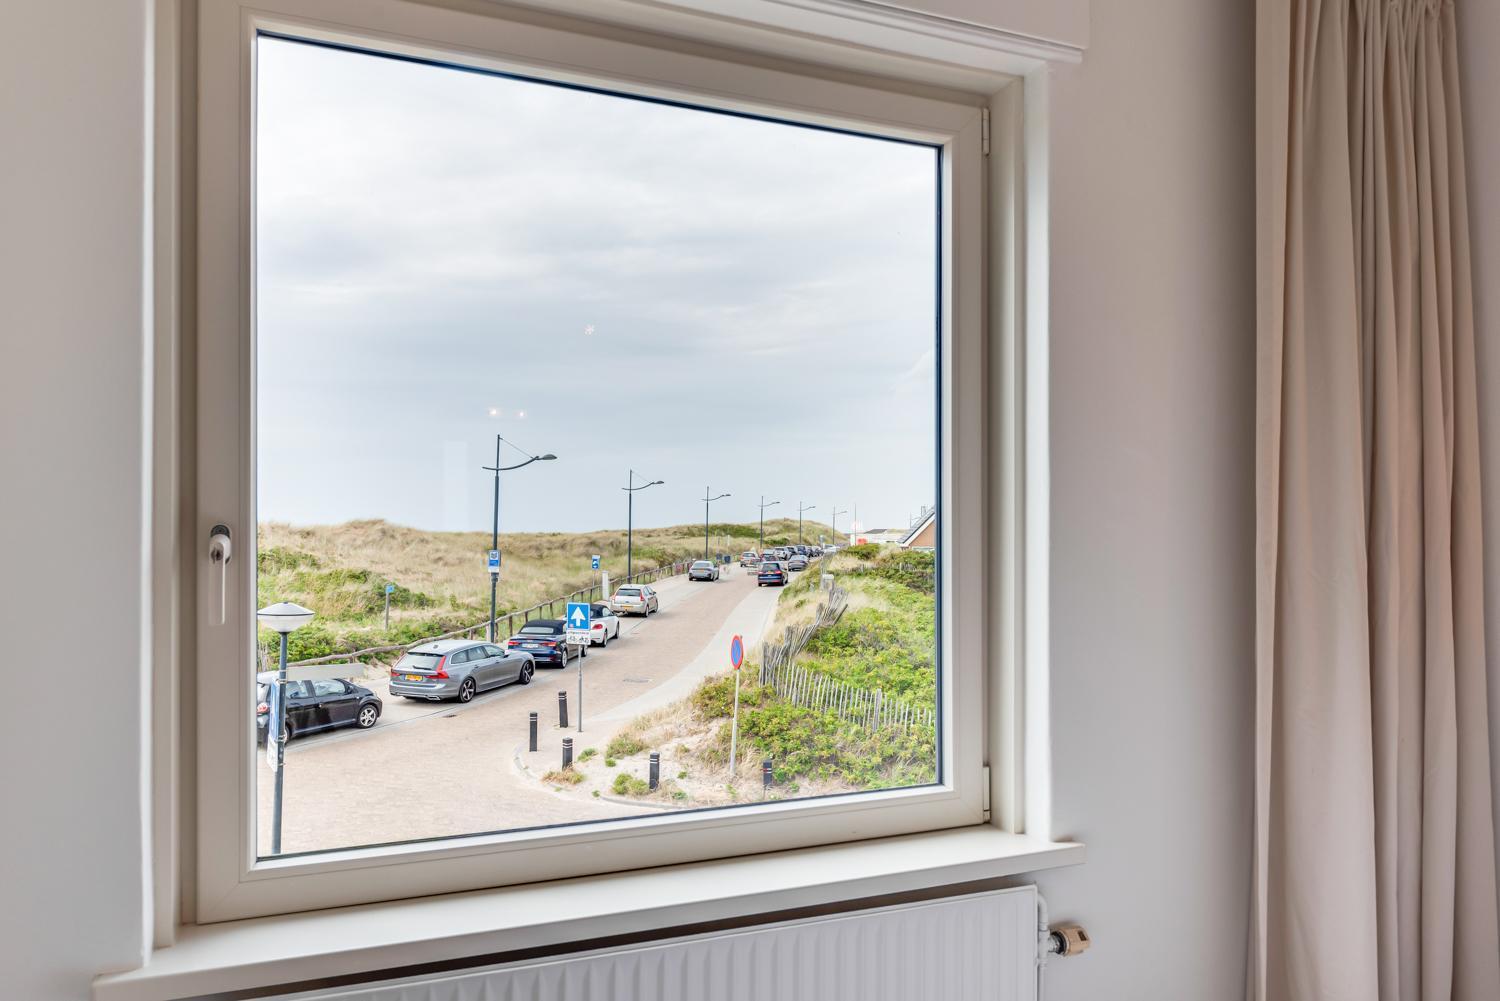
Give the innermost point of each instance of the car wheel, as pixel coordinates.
(526, 672)
(367, 716)
(466, 690)
(605, 640)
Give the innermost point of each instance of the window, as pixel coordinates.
(473, 325)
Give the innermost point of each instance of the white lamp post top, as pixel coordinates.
(284, 616)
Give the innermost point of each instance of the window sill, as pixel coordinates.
(296, 949)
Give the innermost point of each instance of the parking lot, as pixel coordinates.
(442, 769)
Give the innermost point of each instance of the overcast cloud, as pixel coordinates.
(436, 244)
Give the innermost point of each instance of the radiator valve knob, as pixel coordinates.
(1069, 940)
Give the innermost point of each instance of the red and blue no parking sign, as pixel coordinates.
(736, 652)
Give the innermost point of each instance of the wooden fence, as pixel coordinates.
(867, 707)
(509, 620)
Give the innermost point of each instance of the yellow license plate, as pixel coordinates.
(414, 677)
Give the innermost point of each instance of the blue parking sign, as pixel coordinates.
(494, 560)
(578, 622)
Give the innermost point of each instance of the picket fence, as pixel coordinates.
(864, 706)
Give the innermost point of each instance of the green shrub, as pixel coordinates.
(629, 785)
(864, 551)
(623, 745)
(312, 640)
(610, 762)
(565, 776)
(587, 753)
(714, 698)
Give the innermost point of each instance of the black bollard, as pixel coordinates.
(765, 775)
(532, 722)
(562, 710)
(655, 773)
(567, 753)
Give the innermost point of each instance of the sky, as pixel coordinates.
(712, 301)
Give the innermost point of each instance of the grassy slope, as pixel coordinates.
(886, 639)
(340, 572)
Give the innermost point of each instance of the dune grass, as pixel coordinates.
(441, 581)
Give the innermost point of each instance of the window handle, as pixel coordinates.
(220, 552)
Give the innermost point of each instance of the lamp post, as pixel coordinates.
(283, 617)
(630, 488)
(497, 469)
(835, 526)
(761, 545)
(800, 512)
(707, 500)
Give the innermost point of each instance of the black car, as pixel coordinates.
(771, 573)
(317, 705)
(547, 642)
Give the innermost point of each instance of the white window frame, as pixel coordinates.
(984, 493)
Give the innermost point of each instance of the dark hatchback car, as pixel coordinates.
(316, 705)
(771, 573)
(547, 642)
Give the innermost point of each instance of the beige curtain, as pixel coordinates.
(1374, 865)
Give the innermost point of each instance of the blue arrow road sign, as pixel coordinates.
(390, 589)
(578, 616)
(594, 563)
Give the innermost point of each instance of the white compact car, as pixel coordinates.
(604, 624)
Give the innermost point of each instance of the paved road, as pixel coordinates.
(435, 770)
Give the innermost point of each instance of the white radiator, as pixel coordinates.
(980, 947)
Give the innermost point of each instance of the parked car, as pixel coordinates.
(635, 599)
(749, 558)
(316, 705)
(457, 669)
(771, 572)
(546, 642)
(703, 570)
(797, 562)
(604, 624)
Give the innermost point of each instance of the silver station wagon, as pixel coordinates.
(458, 669)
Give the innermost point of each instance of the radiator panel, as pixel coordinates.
(980, 947)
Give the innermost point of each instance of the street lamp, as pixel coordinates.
(497, 469)
(800, 512)
(763, 506)
(283, 617)
(836, 513)
(630, 488)
(706, 501)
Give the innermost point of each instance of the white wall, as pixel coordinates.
(1153, 348)
(1479, 46)
(72, 202)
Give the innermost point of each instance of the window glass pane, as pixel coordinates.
(605, 340)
